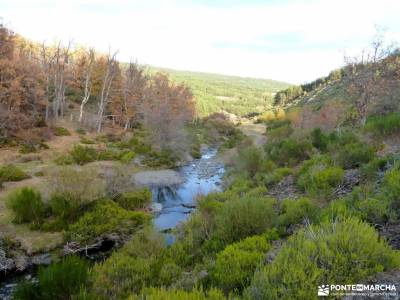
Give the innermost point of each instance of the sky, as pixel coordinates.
(294, 41)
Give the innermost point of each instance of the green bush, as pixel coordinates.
(64, 160)
(374, 211)
(166, 158)
(106, 217)
(12, 173)
(86, 141)
(288, 152)
(127, 157)
(174, 294)
(278, 130)
(64, 209)
(318, 177)
(370, 170)
(391, 187)
(83, 155)
(135, 200)
(27, 148)
(107, 154)
(249, 161)
(80, 131)
(276, 176)
(236, 264)
(61, 131)
(353, 155)
(340, 252)
(27, 205)
(243, 217)
(127, 271)
(319, 140)
(296, 211)
(62, 280)
(384, 125)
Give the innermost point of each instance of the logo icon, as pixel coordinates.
(323, 290)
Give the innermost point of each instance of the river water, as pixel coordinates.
(202, 176)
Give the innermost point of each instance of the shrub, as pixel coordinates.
(243, 217)
(235, 265)
(340, 252)
(127, 157)
(107, 154)
(64, 210)
(165, 158)
(384, 125)
(64, 160)
(135, 200)
(61, 131)
(370, 170)
(391, 187)
(105, 218)
(289, 151)
(296, 211)
(80, 184)
(12, 173)
(27, 205)
(250, 160)
(374, 211)
(80, 131)
(127, 271)
(354, 155)
(278, 130)
(318, 177)
(174, 294)
(276, 176)
(61, 280)
(27, 148)
(86, 141)
(83, 155)
(319, 140)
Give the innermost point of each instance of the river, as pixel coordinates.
(201, 176)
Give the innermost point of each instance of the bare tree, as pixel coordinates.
(61, 60)
(110, 72)
(367, 75)
(88, 81)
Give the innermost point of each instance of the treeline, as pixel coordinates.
(290, 94)
(41, 84)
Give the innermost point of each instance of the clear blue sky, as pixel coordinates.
(294, 41)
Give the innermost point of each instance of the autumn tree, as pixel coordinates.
(134, 84)
(21, 94)
(166, 108)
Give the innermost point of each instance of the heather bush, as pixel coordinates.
(340, 252)
(62, 280)
(105, 218)
(27, 205)
(135, 200)
(12, 173)
(236, 264)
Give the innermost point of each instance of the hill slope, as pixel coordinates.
(237, 95)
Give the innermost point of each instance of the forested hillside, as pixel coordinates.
(236, 95)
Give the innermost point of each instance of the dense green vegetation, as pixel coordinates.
(237, 95)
